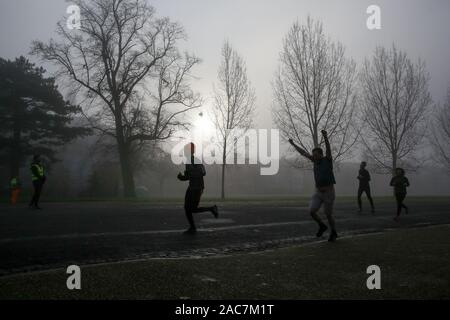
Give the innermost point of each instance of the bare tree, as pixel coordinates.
(440, 134)
(395, 100)
(124, 65)
(314, 90)
(234, 102)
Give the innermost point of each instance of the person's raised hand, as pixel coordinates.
(291, 141)
(324, 133)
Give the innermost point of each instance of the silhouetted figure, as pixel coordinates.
(325, 181)
(194, 172)
(364, 186)
(38, 178)
(400, 183)
(14, 186)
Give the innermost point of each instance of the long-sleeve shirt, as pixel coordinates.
(399, 183)
(194, 173)
(364, 178)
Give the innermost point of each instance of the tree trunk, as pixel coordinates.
(129, 190)
(316, 136)
(223, 182)
(394, 163)
(224, 160)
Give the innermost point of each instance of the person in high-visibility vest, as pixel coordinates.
(38, 178)
(15, 189)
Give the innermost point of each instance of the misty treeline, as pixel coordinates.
(128, 90)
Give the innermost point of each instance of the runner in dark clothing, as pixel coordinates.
(194, 173)
(364, 186)
(38, 178)
(400, 183)
(325, 181)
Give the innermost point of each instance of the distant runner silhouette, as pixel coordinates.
(400, 183)
(364, 186)
(38, 178)
(194, 172)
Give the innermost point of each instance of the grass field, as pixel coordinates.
(415, 264)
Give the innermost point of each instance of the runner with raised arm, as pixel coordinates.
(325, 181)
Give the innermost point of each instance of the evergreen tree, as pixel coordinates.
(34, 117)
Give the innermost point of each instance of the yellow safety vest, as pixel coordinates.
(13, 183)
(40, 169)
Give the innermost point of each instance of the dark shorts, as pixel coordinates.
(325, 197)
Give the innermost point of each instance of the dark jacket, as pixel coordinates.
(194, 173)
(364, 178)
(399, 183)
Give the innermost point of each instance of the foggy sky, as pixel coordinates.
(256, 29)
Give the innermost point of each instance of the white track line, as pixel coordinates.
(155, 232)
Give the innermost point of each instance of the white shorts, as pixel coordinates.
(325, 197)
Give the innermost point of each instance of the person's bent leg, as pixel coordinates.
(399, 208)
(213, 209)
(332, 223)
(190, 219)
(328, 198)
(404, 206)
(369, 196)
(34, 197)
(38, 194)
(322, 226)
(403, 196)
(188, 213)
(314, 207)
(188, 207)
(196, 209)
(360, 191)
(195, 200)
(329, 213)
(399, 200)
(315, 216)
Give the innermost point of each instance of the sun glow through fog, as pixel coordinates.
(203, 126)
